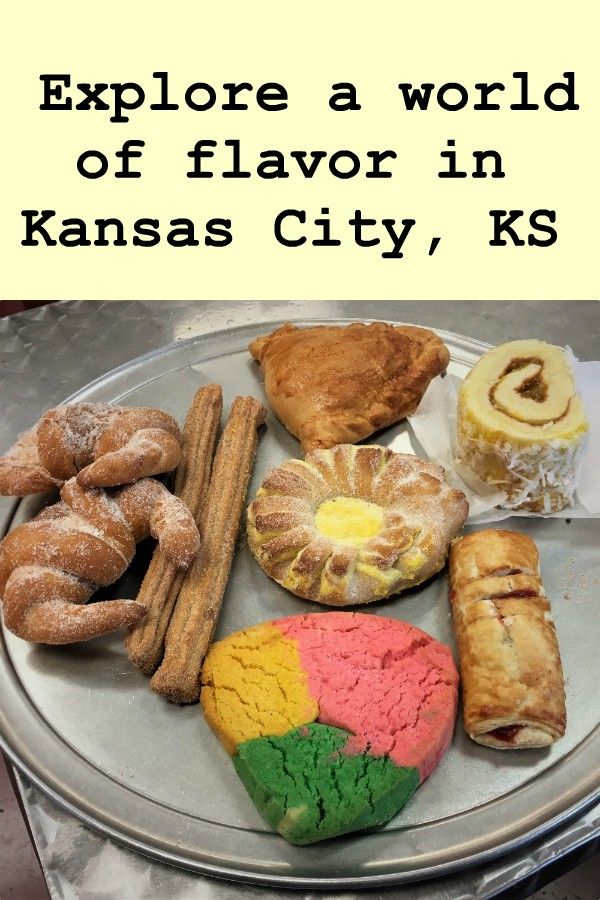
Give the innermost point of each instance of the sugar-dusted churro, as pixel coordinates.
(163, 580)
(199, 602)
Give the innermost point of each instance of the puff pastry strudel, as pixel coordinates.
(512, 680)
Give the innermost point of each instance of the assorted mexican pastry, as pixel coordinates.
(100, 456)
(332, 719)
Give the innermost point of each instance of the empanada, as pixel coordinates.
(334, 384)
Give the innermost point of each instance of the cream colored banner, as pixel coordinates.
(530, 232)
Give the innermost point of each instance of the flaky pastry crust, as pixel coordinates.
(338, 384)
(419, 515)
(512, 680)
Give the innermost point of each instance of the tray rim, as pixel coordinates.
(580, 796)
(267, 325)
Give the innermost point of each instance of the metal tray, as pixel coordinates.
(84, 726)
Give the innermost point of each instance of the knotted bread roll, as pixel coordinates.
(102, 444)
(50, 566)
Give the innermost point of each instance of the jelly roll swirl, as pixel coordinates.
(521, 425)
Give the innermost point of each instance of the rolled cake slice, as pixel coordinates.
(521, 425)
(512, 680)
(383, 693)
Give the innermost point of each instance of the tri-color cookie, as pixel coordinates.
(383, 692)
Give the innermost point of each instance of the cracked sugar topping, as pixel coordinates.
(389, 685)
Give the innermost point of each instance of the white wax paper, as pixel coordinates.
(434, 426)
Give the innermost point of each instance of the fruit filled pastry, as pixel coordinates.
(353, 524)
(338, 384)
(101, 444)
(512, 680)
(332, 719)
(521, 425)
(50, 566)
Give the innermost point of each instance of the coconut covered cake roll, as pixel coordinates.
(512, 680)
(521, 425)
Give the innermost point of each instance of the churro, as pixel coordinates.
(197, 608)
(163, 580)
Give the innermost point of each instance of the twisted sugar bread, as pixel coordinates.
(53, 564)
(521, 425)
(353, 524)
(102, 445)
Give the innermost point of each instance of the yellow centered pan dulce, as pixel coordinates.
(352, 524)
(521, 425)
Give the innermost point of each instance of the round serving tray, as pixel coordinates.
(84, 726)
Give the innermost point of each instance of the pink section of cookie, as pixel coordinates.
(390, 684)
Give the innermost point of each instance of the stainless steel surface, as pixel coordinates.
(89, 690)
(79, 863)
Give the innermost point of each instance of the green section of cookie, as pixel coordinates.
(308, 789)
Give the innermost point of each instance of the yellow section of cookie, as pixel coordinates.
(253, 685)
